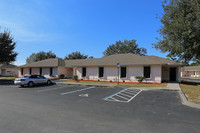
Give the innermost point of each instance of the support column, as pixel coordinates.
(179, 74)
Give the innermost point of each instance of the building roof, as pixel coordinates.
(54, 62)
(7, 66)
(123, 59)
(191, 68)
(112, 60)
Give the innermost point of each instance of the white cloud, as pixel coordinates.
(25, 21)
(19, 62)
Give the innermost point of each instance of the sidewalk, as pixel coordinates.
(86, 84)
(170, 87)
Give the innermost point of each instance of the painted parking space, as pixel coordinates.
(75, 91)
(38, 87)
(54, 88)
(125, 95)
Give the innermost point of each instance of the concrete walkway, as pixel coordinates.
(170, 87)
(85, 84)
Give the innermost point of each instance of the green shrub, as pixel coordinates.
(75, 77)
(139, 78)
(62, 76)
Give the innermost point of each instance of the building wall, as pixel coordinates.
(46, 72)
(134, 71)
(26, 71)
(9, 72)
(68, 72)
(156, 74)
(36, 71)
(166, 73)
(79, 72)
(111, 73)
(92, 73)
(190, 74)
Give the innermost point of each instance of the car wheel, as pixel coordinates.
(30, 84)
(48, 82)
(21, 85)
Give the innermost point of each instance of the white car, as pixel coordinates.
(32, 80)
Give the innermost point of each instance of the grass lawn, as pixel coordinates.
(7, 77)
(192, 92)
(191, 77)
(122, 84)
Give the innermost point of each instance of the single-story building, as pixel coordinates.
(49, 68)
(190, 71)
(154, 69)
(8, 70)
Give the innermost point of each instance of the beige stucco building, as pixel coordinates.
(153, 68)
(190, 71)
(8, 70)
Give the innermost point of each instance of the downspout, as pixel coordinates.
(160, 73)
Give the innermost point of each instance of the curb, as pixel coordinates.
(185, 100)
(112, 86)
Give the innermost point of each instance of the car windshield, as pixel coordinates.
(27, 76)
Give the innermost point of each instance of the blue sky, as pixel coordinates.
(88, 26)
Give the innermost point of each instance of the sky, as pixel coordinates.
(88, 26)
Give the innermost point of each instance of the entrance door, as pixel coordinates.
(173, 74)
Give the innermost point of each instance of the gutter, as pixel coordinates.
(126, 65)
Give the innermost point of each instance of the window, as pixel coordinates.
(30, 71)
(123, 72)
(147, 72)
(101, 71)
(83, 71)
(40, 71)
(51, 71)
(33, 77)
(40, 77)
(22, 71)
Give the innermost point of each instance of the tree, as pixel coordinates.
(7, 46)
(181, 30)
(75, 55)
(40, 56)
(195, 63)
(127, 46)
(91, 57)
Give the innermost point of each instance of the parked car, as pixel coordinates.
(32, 80)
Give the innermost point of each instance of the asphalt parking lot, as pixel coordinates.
(191, 80)
(87, 109)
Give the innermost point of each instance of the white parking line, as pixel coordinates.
(121, 97)
(122, 93)
(115, 100)
(77, 90)
(125, 94)
(51, 89)
(135, 95)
